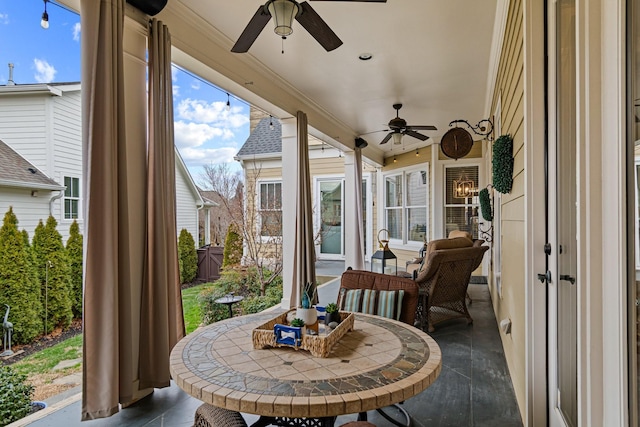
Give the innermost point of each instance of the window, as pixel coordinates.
(405, 205)
(461, 199)
(71, 197)
(271, 209)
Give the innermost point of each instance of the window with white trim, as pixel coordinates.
(406, 196)
(270, 209)
(71, 197)
(461, 199)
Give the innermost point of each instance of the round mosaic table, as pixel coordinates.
(379, 363)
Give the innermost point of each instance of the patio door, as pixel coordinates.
(561, 215)
(331, 192)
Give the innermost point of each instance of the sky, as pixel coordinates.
(206, 132)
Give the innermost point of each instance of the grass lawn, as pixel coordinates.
(190, 306)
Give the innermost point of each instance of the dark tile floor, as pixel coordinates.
(474, 388)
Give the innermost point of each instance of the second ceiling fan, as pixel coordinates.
(284, 11)
(399, 127)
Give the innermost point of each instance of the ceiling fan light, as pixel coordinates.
(397, 138)
(283, 13)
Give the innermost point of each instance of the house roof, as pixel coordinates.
(263, 140)
(16, 171)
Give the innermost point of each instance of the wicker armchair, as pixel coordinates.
(443, 282)
(213, 416)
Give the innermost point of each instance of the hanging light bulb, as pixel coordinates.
(271, 122)
(228, 102)
(417, 153)
(44, 23)
(394, 159)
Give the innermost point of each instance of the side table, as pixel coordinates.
(229, 300)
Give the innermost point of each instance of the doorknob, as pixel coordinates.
(546, 277)
(568, 278)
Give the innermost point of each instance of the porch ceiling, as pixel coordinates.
(433, 56)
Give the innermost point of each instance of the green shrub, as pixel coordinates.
(54, 274)
(257, 303)
(232, 254)
(188, 257)
(15, 396)
(74, 254)
(19, 286)
(485, 204)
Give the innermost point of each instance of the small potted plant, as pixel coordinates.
(298, 323)
(307, 312)
(333, 315)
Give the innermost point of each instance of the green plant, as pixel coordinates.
(502, 163)
(19, 281)
(485, 204)
(332, 307)
(15, 396)
(297, 322)
(74, 254)
(54, 275)
(187, 256)
(308, 295)
(232, 254)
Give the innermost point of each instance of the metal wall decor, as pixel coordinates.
(457, 142)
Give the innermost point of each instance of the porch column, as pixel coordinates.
(290, 181)
(207, 225)
(353, 231)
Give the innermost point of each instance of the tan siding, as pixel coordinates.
(329, 166)
(509, 90)
(407, 159)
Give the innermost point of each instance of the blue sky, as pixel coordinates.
(205, 131)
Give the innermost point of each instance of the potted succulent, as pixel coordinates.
(298, 323)
(332, 313)
(307, 312)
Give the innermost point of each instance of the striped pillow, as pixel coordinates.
(369, 302)
(350, 299)
(390, 304)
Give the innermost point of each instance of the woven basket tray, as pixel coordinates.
(318, 345)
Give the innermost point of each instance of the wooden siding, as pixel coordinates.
(23, 126)
(509, 92)
(186, 210)
(29, 210)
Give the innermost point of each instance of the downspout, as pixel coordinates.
(53, 199)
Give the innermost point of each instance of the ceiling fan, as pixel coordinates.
(283, 11)
(399, 127)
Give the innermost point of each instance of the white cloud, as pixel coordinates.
(196, 134)
(207, 156)
(45, 72)
(76, 31)
(4, 18)
(195, 85)
(175, 89)
(214, 113)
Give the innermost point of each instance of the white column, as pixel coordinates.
(290, 184)
(437, 201)
(207, 226)
(353, 244)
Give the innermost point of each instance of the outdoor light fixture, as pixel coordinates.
(394, 159)
(271, 122)
(44, 23)
(397, 138)
(462, 189)
(283, 13)
(417, 153)
(228, 102)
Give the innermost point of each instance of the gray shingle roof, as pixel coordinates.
(16, 169)
(263, 140)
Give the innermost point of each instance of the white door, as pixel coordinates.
(561, 215)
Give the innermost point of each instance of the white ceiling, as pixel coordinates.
(433, 56)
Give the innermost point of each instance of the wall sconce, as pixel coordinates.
(462, 189)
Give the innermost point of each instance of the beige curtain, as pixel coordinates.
(358, 262)
(162, 323)
(108, 369)
(305, 254)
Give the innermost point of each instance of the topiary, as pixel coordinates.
(74, 254)
(187, 256)
(232, 254)
(485, 204)
(502, 163)
(19, 286)
(54, 274)
(15, 396)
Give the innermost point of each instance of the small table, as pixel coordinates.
(229, 300)
(379, 363)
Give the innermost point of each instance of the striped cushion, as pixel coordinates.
(350, 299)
(369, 302)
(390, 304)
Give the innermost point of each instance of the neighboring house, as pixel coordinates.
(220, 217)
(409, 209)
(41, 129)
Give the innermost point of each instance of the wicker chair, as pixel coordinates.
(443, 282)
(212, 416)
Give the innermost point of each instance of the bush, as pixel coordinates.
(19, 286)
(232, 254)
(15, 396)
(74, 254)
(187, 256)
(54, 274)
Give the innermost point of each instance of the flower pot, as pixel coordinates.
(309, 315)
(332, 317)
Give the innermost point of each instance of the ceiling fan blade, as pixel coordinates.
(319, 29)
(421, 127)
(386, 138)
(414, 134)
(252, 31)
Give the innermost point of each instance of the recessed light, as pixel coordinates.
(365, 56)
